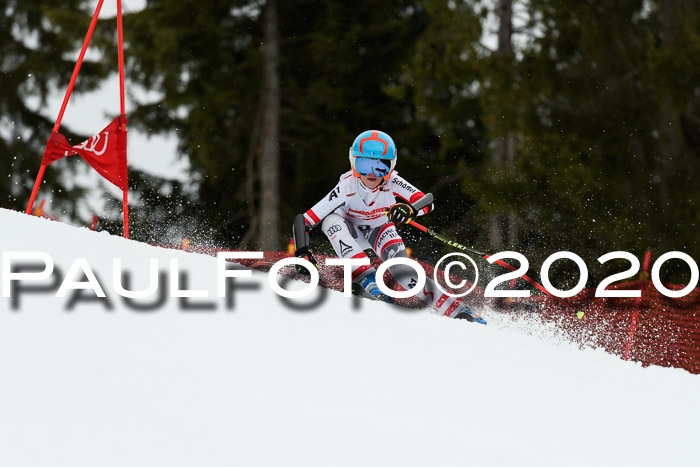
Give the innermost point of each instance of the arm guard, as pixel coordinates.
(301, 232)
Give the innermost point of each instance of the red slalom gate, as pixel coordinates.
(106, 151)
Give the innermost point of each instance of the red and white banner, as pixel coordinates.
(105, 152)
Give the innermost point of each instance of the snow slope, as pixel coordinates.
(338, 384)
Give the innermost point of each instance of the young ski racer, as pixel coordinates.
(362, 212)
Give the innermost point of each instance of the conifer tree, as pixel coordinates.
(336, 62)
(36, 58)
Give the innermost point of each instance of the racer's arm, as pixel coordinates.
(303, 223)
(406, 194)
(327, 205)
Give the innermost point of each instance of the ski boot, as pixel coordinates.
(462, 312)
(367, 287)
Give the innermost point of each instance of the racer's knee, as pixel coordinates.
(332, 224)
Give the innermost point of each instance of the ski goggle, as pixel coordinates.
(378, 167)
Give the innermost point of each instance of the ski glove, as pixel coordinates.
(400, 213)
(305, 253)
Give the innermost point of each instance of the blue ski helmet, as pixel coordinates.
(374, 144)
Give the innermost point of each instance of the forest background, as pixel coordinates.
(577, 128)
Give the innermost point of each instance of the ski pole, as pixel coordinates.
(427, 199)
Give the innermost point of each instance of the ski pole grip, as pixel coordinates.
(423, 202)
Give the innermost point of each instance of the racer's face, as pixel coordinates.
(371, 181)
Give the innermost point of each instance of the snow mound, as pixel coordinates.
(250, 380)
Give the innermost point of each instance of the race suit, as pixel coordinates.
(353, 217)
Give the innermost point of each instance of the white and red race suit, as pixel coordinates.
(353, 217)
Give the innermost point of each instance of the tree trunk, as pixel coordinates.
(504, 225)
(505, 27)
(269, 157)
(670, 138)
(251, 178)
